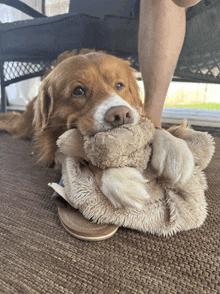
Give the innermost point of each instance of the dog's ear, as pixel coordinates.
(134, 89)
(47, 102)
(43, 106)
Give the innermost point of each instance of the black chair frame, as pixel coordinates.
(199, 59)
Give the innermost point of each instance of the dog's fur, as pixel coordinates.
(56, 109)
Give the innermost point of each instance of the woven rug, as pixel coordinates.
(39, 256)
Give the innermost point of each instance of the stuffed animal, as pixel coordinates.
(137, 176)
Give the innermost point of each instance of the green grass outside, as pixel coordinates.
(198, 106)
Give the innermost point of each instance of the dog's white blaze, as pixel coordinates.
(112, 101)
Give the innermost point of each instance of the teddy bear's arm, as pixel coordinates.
(171, 157)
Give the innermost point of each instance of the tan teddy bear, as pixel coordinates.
(135, 176)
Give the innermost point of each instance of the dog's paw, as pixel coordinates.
(124, 187)
(172, 157)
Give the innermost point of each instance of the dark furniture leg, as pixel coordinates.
(2, 88)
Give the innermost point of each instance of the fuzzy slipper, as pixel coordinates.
(77, 225)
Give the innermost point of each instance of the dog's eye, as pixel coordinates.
(119, 86)
(78, 91)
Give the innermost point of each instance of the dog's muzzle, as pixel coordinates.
(119, 115)
(114, 112)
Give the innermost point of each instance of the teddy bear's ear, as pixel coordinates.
(71, 144)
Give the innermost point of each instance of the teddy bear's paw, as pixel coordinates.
(124, 187)
(172, 157)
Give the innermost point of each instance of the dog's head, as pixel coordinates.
(92, 92)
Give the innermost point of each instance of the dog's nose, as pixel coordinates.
(119, 115)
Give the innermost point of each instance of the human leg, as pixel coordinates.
(161, 36)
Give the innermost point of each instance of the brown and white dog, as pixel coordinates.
(93, 92)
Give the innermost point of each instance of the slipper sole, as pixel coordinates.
(78, 226)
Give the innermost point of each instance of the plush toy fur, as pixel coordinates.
(136, 159)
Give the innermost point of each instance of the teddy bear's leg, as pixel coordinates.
(124, 187)
(171, 157)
